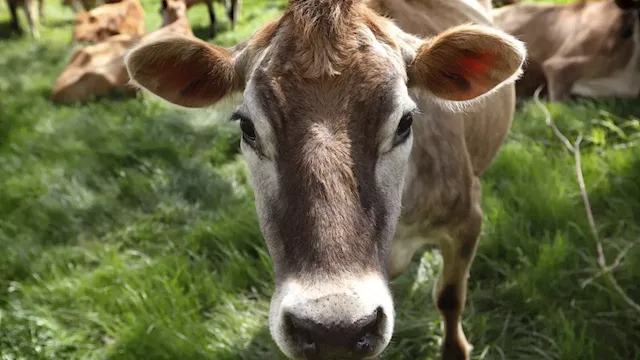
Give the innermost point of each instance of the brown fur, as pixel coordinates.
(199, 85)
(434, 67)
(86, 5)
(125, 17)
(328, 176)
(174, 19)
(264, 35)
(569, 43)
(95, 70)
(327, 36)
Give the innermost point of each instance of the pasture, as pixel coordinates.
(128, 228)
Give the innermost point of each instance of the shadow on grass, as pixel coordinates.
(619, 106)
(114, 95)
(7, 31)
(203, 32)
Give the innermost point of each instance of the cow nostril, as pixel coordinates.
(307, 341)
(309, 347)
(301, 331)
(370, 331)
(312, 338)
(364, 344)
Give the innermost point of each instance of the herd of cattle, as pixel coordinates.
(109, 29)
(586, 48)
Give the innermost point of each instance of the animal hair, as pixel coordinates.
(325, 35)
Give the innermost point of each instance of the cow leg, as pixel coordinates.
(212, 18)
(15, 24)
(233, 12)
(561, 74)
(458, 251)
(41, 9)
(30, 7)
(78, 6)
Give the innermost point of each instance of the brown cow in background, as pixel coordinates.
(124, 17)
(587, 49)
(95, 70)
(86, 5)
(174, 19)
(99, 70)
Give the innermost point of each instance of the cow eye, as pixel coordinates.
(248, 131)
(404, 129)
(246, 126)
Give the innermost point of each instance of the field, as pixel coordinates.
(128, 228)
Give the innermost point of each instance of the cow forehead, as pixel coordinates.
(368, 88)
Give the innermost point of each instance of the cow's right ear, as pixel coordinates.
(183, 70)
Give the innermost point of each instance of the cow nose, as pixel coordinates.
(316, 340)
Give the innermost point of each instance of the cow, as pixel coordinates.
(34, 11)
(98, 70)
(174, 19)
(587, 49)
(231, 6)
(95, 70)
(124, 17)
(366, 127)
(86, 5)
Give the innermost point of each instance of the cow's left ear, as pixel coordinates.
(466, 62)
(183, 70)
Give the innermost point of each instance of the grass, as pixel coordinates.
(128, 229)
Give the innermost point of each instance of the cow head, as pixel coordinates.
(125, 17)
(172, 10)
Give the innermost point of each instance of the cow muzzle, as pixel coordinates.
(344, 320)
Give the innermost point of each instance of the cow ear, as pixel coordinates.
(185, 71)
(466, 62)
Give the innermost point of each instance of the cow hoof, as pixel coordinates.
(17, 29)
(456, 351)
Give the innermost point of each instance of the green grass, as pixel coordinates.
(128, 229)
